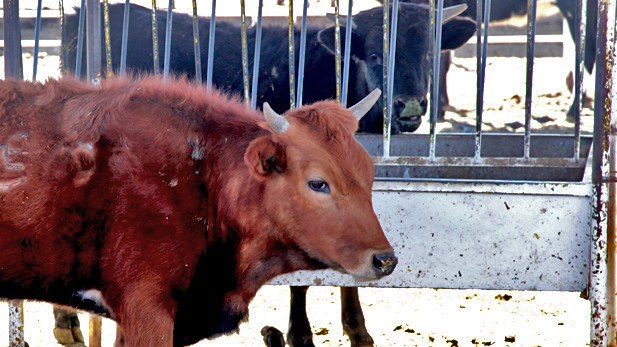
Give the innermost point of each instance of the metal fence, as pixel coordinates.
(534, 164)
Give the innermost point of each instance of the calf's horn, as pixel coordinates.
(452, 11)
(277, 122)
(364, 105)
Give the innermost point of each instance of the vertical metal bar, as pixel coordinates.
(16, 323)
(302, 57)
(531, 38)
(80, 39)
(347, 55)
(168, 28)
(37, 36)
(612, 204)
(107, 39)
(579, 70)
(337, 50)
(384, 96)
(435, 79)
(481, 73)
(257, 56)
(292, 68)
(93, 41)
(63, 49)
(95, 336)
(13, 65)
(599, 275)
(155, 41)
(245, 59)
(196, 43)
(211, 38)
(391, 63)
(125, 35)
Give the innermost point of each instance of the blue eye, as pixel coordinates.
(319, 186)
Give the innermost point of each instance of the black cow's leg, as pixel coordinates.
(299, 333)
(67, 331)
(353, 318)
(444, 67)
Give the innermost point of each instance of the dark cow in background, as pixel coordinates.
(505, 9)
(366, 71)
(170, 206)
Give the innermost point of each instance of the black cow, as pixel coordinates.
(412, 66)
(366, 70)
(505, 9)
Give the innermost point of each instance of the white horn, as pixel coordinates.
(453, 11)
(364, 105)
(277, 122)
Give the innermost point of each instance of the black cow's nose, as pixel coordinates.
(384, 263)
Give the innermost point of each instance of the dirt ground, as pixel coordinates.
(418, 317)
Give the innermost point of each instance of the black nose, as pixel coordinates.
(384, 263)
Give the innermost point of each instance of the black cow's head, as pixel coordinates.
(411, 72)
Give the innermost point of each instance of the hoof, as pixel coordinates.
(272, 336)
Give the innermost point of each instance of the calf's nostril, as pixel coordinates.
(384, 263)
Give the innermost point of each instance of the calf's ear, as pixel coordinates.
(264, 157)
(456, 32)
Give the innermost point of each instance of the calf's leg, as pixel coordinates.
(353, 318)
(299, 333)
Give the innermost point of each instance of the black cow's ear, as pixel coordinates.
(325, 37)
(456, 32)
(264, 157)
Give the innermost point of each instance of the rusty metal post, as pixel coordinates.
(13, 66)
(93, 45)
(609, 108)
(94, 339)
(601, 276)
(16, 324)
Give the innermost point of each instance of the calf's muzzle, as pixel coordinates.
(384, 263)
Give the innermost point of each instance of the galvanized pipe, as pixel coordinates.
(390, 79)
(196, 43)
(37, 35)
(168, 28)
(385, 76)
(245, 54)
(93, 41)
(257, 56)
(107, 38)
(531, 39)
(302, 58)
(63, 49)
(80, 39)
(337, 50)
(435, 77)
(211, 38)
(125, 35)
(481, 69)
(579, 70)
(155, 40)
(13, 65)
(431, 57)
(292, 68)
(347, 55)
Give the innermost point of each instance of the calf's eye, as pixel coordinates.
(319, 186)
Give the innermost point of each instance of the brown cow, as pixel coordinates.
(168, 206)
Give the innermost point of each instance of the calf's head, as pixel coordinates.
(317, 182)
(412, 65)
